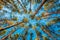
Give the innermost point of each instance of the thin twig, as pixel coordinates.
(30, 5)
(55, 12)
(22, 6)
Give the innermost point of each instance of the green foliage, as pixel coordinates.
(34, 1)
(25, 20)
(32, 16)
(58, 30)
(45, 38)
(2, 32)
(58, 35)
(53, 21)
(48, 5)
(16, 36)
(15, 18)
(56, 20)
(38, 1)
(37, 24)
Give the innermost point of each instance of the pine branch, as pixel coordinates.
(8, 34)
(10, 26)
(36, 11)
(50, 13)
(44, 29)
